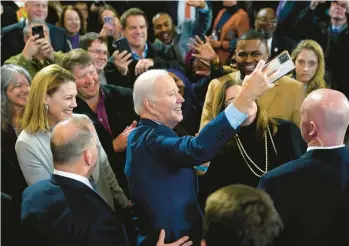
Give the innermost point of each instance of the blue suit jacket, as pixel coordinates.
(12, 41)
(312, 196)
(161, 179)
(63, 211)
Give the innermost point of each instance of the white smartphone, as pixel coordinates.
(283, 62)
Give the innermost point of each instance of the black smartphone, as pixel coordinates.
(38, 30)
(121, 45)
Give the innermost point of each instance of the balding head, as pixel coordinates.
(325, 118)
(266, 22)
(73, 141)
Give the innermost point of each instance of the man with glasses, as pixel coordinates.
(97, 48)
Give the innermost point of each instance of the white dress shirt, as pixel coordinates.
(327, 147)
(74, 176)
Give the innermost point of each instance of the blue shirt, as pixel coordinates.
(144, 54)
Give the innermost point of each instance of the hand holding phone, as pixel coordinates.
(279, 66)
(121, 45)
(38, 30)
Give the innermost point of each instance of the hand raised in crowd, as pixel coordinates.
(122, 60)
(203, 50)
(314, 3)
(180, 242)
(198, 3)
(47, 50)
(254, 85)
(143, 65)
(120, 142)
(32, 46)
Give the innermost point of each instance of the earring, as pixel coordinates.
(46, 107)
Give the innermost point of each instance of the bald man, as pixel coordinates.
(66, 210)
(312, 193)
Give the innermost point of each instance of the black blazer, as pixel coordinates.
(12, 41)
(280, 43)
(312, 196)
(118, 103)
(63, 211)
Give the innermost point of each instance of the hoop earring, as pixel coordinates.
(46, 108)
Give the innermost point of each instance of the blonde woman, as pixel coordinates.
(51, 100)
(261, 144)
(309, 60)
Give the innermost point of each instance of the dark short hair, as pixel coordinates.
(252, 35)
(131, 12)
(70, 7)
(241, 215)
(76, 57)
(106, 7)
(87, 39)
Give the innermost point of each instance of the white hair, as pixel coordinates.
(144, 88)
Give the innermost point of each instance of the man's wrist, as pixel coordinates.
(26, 56)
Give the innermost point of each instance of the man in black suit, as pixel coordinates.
(66, 210)
(266, 23)
(312, 193)
(12, 41)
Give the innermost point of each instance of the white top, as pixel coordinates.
(326, 147)
(74, 176)
(269, 41)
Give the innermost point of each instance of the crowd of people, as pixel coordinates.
(154, 123)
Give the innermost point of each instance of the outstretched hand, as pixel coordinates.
(204, 50)
(180, 242)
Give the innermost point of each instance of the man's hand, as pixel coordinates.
(120, 142)
(204, 50)
(122, 61)
(32, 47)
(180, 242)
(254, 85)
(143, 65)
(47, 50)
(198, 4)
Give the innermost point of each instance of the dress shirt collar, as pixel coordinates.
(73, 176)
(325, 147)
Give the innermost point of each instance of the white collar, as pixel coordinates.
(74, 176)
(325, 147)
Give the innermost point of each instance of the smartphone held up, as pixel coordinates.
(279, 66)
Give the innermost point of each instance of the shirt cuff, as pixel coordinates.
(234, 116)
(205, 10)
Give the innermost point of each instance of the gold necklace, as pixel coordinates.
(247, 158)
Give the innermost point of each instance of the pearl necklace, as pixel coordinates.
(247, 159)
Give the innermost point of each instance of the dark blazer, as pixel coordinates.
(280, 43)
(312, 196)
(12, 41)
(118, 103)
(161, 179)
(63, 211)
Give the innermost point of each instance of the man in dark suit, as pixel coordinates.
(312, 193)
(159, 164)
(66, 210)
(12, 41)
(266, 23)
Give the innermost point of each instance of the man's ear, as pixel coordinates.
(313, 131)
(148, 105)
(203, 242)
(88, 157)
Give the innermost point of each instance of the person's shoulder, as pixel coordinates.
(55, 28)
(16, 26)
(25, 136)
(289, 83)
(119, 90)
(230, 76)
(36, 190)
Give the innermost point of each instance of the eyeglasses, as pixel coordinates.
(265, 20)
(100, 52)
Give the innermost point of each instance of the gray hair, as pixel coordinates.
(35, 22)
(66, 151)
(8, 74)
(144, 88)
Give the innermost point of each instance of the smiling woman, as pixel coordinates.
(72, 20)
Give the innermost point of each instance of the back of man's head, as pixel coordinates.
(240, 215)
(325, 117)
(69, 139)
(76, 57)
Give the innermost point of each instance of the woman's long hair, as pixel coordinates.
(262, 116)
(46, 82)
(8, 75)
(318, 80)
